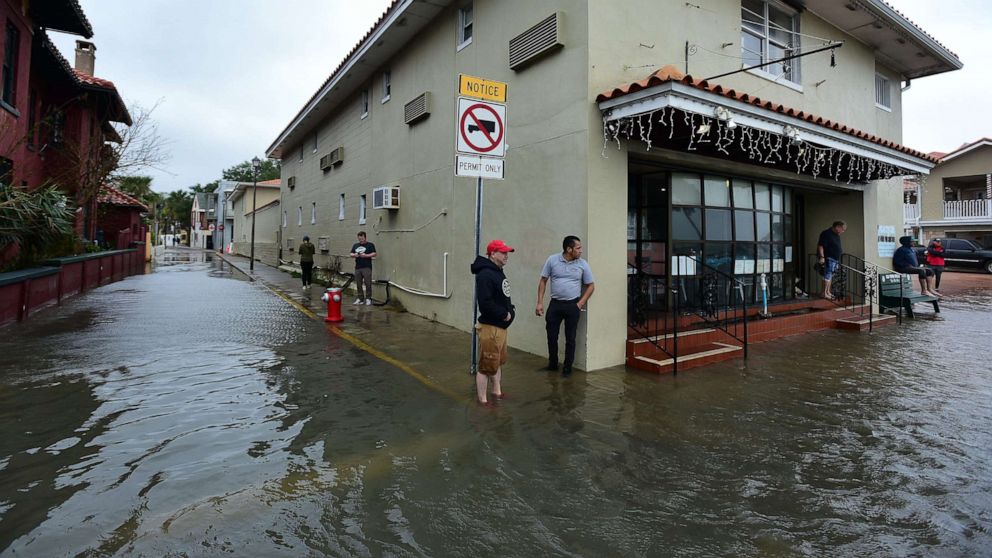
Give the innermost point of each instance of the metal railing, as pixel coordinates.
(653, 312)
(871, 271)
(714, 296)
(852, 287)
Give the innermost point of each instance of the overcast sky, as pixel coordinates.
(231, 73)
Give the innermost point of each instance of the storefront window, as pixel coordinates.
(718, 226)
(686, 223)
(717, 191)
(743, 194)
(762, 196)
(685, 189)
(744, 226)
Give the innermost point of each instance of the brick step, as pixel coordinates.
(694, 337)
(699, 355)
(862, 323)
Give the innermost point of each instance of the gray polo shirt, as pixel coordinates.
(566, 277)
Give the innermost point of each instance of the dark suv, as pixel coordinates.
(961, 253)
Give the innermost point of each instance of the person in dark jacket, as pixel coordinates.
(307, 250)
(935, 259)
(496, 313)
(829, 252)
(904, 261)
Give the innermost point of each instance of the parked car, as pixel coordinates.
(961, 253)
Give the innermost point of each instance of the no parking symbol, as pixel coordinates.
(481, 128)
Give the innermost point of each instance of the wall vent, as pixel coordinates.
(417, 109)
(291, 182)
(386, 197)
(536, 42)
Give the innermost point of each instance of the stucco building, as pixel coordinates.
(631, 125)
(244, 206)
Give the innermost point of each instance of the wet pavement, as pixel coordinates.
(193, 412)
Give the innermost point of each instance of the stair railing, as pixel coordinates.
(653, 311)
(716, 297)
(871, 271)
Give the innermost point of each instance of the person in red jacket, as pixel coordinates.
(935, 259)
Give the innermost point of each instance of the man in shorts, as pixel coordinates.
(496, 313)
(829, 251)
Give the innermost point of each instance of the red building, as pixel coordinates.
(55, 119)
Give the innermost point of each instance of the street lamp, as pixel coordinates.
(255, 163)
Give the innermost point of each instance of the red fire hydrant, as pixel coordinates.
(333, 299)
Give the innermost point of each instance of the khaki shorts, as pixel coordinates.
(492, 348)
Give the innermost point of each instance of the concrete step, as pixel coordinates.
(862, 323)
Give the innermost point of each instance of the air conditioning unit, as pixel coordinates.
(386, 197)
(292, 182)
(332, 159)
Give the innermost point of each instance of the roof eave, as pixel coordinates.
(936, 49)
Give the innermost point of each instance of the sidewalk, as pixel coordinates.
(439, 353)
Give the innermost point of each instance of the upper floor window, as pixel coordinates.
(12, 40)
(770, 31)
(465, 20)
(313, 213)
(365, 103)
(883, 92)
(341, 208)
(387, 86)
(285, 218)
(299, 215)
(361, 210)
(301, 153)
(315, 142)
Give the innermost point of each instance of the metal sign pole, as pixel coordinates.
(475, 292)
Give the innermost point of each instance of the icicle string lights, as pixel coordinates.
(757, 145)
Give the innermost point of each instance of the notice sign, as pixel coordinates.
(886, 241)
(482, 167)
(481, 128)
(479, 88)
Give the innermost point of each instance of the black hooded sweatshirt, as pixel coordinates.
(493, 292)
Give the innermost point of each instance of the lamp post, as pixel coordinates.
(254, 195)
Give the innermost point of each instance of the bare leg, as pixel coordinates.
(497, 388)
(826, 289)
(481, 383)
(930, 286)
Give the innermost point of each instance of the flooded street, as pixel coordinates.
(189, 412)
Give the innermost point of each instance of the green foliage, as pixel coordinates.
(34, 220)
(242, 172)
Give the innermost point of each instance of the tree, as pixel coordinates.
(177, 206)
(137, 186)
(269, 169)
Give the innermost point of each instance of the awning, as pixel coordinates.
(673, 111)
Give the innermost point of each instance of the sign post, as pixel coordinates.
(480, 140)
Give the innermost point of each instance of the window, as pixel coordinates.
(465, 26)
(285, 218)
(301, 153)
(883, 92)
(315, 142)
(361, 210)
(341, 208)
(365, 103)
(386, 85)
(299, 215)
(313, 213)
(12, 40)
(770, 31)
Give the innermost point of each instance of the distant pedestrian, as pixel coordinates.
(571, 286)
(496, 313)
(364, 252)
(829, 250)
(307, 250)
(935, 259)
(904, 261)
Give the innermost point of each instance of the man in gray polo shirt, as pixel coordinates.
(571, 286)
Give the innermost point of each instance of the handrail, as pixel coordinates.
(726, 316)
(851, 287)
(874, 278)
(650, 318)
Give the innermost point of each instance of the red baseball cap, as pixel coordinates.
(498, 246)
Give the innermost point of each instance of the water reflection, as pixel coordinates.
(186, 413)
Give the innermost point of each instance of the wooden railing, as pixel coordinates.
(968, 209)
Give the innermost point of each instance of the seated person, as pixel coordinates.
(904, 261)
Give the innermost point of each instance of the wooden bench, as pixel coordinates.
(895, 290)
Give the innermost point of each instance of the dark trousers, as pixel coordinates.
(307, 268)
(558, 311)
(937, 270)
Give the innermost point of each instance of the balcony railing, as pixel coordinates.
(910, 213)
(968, 209)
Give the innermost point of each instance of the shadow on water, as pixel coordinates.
(179, 414)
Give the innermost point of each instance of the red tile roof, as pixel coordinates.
(94, 81)
(273, 182)
(112, 196)
(672, 74)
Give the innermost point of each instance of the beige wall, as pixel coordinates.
(976, 162)
(542, 199)
(267, 218)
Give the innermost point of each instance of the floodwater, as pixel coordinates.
(190, 413)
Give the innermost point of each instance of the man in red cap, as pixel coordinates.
(495, 315)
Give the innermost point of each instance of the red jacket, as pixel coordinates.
(935, 255)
